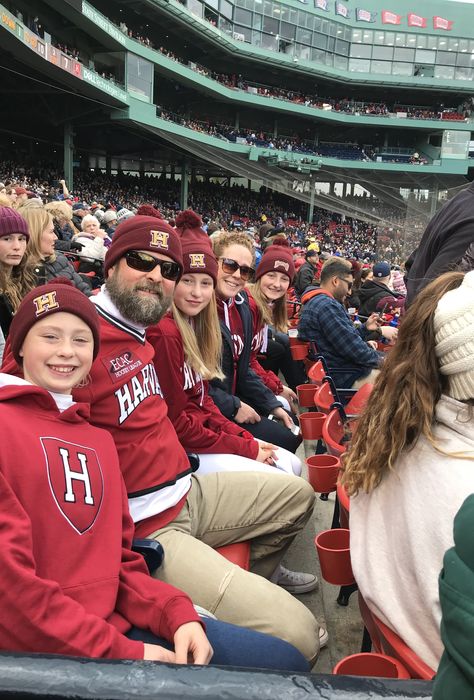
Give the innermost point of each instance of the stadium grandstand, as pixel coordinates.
(355, 111)
(346, 125)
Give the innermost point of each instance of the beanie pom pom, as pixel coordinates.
(188, 219)
(149, 210)
(282, 242)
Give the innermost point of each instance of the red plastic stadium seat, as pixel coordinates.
(238, 553)
(316, 373)
(385, 641)
(333, 433)
(357, 404)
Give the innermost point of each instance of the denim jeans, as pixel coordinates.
(238, 646)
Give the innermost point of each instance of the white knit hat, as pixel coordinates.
(124, 214)
(454, 338)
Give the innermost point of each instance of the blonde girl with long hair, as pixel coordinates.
(188, 349)
(48, 264)
(411, 463)
(16, 275)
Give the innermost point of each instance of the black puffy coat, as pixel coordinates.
(60, 267)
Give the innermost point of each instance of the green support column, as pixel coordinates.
(311, 204)
(183, 202)
(237, 120)
(108, 164)
(68, 155)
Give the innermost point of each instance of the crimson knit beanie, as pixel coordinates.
(149, 210)
(198, 255)
(12, 222)
(277, 258)
(143, 233)
(56, 296)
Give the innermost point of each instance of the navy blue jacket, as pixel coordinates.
(249, 386)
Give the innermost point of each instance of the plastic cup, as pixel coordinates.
(334, 556)
(374, 665)
(306, 395)
(311, 424)
(292, 332)
(323, 472)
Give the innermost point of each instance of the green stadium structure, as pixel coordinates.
(357, 107)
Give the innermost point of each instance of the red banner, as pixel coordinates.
(416, 20)
(389, 17)
(441, 23)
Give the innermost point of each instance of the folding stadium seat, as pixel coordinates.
(386, 641)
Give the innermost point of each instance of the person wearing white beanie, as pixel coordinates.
(411, 463)
(454, 336)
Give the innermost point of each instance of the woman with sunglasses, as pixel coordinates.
(188, 347)
(241, 395)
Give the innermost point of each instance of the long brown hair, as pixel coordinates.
(275, 315)
(16, 281)
(402, 404)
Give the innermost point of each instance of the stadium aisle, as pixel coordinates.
(344, 624)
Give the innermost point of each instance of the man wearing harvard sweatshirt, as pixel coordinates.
(188, 514)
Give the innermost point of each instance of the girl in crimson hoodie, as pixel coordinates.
(70, 582)
(267, 301)
(187, 346)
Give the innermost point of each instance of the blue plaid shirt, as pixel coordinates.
(325, 321)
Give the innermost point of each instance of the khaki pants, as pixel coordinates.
(226, 507)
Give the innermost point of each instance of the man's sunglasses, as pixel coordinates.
(144, 262)
(230, 266)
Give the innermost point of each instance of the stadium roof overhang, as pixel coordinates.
(297, 176)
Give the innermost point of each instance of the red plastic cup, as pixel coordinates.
(375, 665)
(306, 395)
(311, 424)
(323, 472)
(334, 556)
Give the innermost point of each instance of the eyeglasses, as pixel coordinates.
(349, 284)
(144, 262)
(230, 266)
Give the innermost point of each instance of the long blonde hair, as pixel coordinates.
(402, 405)
(275, 315)
(202, 340)
(37, 219)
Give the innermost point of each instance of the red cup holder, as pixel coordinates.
(323, 472)
(334, 556)
(306, 395)
(375, 665)
(299, 348)
(311, 424)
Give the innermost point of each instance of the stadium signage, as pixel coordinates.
(98, 19)
(103, 84)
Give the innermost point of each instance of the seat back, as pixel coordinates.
(388, 642)
(324, 396)
(333, 433)
(316, 373)
(344, 505)
(357, 403)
